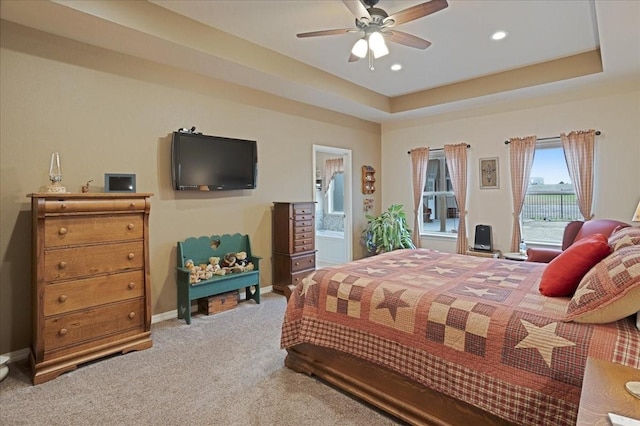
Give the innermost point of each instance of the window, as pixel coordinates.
(439, 206)
(335, 194)
(550, 203)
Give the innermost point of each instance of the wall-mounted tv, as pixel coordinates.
(212, 163)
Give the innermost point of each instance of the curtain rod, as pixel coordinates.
(598, 132)
(438, 149)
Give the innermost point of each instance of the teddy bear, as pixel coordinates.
(241, 258)
(193, 271)
(229, 260)
(243, 261)
(214, 263)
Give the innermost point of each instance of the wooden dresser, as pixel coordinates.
(294, 250)
(90, 279)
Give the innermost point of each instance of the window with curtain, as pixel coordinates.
(439, 207)
(550, 203)
(335, 194)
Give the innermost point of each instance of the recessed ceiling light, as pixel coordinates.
(396, 67)
(499, 35)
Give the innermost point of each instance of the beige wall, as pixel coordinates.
(614, 110)
(107, 112)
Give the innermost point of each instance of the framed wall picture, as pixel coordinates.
(489, 173)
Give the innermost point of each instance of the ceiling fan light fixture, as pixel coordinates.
(360, 48)
(377, 45)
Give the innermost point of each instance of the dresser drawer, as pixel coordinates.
(301, 263)
(301, 248)
(84, 261)
(90, 205)
(304, 238)
(303, 209)
(71, 230)
(299, 276)
(74, 295)
(302, 224)
(307, 229)
(90, 324)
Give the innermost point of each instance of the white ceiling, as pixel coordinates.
(460, 35)
(265, 53)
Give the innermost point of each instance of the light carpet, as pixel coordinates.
(223, 369)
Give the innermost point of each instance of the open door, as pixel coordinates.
(332, 189)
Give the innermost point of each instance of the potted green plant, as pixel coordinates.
(388, 231)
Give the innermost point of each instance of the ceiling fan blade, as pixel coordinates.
(325, 33)
(417, 11)
(357, 9)
(353, 58)
(407, 39)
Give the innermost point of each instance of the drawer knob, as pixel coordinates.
(132, 285)
(63, 206)
(62, 231)
(62, 298)
(130, 226)
(132, 205)
(131, 256)
(62, 331)
(310, 260)
(132, 315)
(296, 279)
(297, 263)
(62, 265)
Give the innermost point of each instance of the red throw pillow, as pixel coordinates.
(563, 274)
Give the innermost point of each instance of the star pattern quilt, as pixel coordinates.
(476, 329)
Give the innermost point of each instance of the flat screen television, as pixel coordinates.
(212, 163)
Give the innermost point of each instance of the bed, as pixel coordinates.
(447, 339)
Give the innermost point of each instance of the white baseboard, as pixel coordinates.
(18, 355)
(21, 354)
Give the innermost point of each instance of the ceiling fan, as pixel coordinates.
(376, 24)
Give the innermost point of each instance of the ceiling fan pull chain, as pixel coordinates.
(370, 56)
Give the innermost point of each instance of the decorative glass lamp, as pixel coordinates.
(55, 174)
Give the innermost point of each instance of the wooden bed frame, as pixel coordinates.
(385, 389)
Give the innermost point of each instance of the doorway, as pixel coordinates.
(332, 191)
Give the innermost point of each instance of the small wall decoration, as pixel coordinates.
(489, 173)
(368, 180)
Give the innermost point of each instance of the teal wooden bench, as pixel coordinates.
(200, 250)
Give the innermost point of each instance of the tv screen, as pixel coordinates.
(212, 163)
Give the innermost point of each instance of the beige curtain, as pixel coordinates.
(522, 151)
(578, 150)
(419, 161)
(456, 157)
(331, 168)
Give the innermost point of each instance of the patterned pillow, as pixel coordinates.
(625, 237)
(610, 290)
